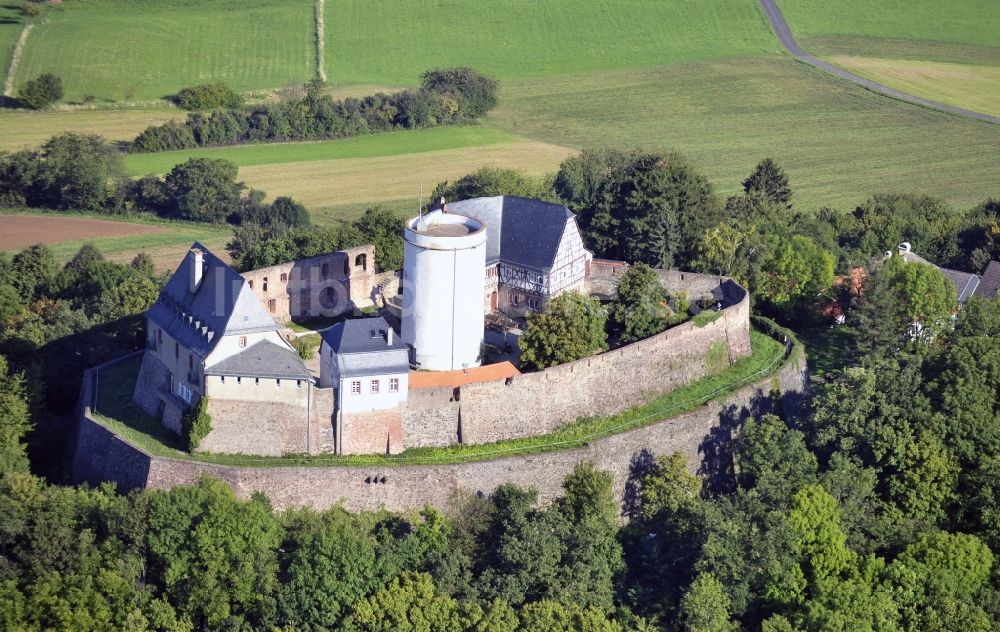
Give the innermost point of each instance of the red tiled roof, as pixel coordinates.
(488, 373)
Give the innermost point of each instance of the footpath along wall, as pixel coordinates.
(704, 435)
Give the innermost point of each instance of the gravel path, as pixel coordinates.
(8, 85)
(784, 34)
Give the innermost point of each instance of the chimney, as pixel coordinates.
(444, 205)
(388, 336)
(904, 248)
(197, 266)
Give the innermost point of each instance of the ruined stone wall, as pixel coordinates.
(704, 436)
(325, 285)
(605, 384)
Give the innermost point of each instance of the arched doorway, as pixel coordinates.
(494, 299)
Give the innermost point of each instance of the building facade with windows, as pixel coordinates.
(367, 366)
(209, 335)
(534, 251)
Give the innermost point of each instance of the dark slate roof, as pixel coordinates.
(362, 348)
(222, 305)
(965, 283)
(361, 335)
(263, 359)
(990, 281)
(519, 231)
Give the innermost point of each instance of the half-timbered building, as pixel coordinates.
(534, 251)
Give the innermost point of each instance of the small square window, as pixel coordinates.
(239, 380)
(250, 283)
(256, 381)
(243, 341)
(356, 387)
(277, 383)
(374, 386)
(284, 277)
(393, 385)
(222, 379)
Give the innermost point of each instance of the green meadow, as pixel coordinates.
(393, 42)
(11, 24)
(371, 146)
(119, 50)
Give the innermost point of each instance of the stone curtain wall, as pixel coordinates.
(703, 435)
(605, 384)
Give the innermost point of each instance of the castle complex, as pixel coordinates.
(218, 334)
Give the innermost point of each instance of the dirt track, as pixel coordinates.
(784, 34)
(19, 231)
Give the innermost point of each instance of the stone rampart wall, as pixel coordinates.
(605, 384)
(704, 436)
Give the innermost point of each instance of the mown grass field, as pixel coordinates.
(974, 87)
(839, 143)
(393, 42)
(371, 146)
(341, 189)
(118, 50)
(11, 23)
(945, 51)
(166, 246)
(28, 128)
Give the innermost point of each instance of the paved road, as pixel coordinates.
(785, 36)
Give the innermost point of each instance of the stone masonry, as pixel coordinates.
(704, 436)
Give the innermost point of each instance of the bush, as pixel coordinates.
(196, 423)
(476, 93)
(30, 10)
(42, 91)
(208, 96)
(170, 136)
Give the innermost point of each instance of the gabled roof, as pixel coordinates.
(965, 282)
(223, 304)
(263, 359)
(519, 231)
(990, 281)
(362, 335)
(362, 348)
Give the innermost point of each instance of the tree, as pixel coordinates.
(34, 269)
(134, 295)
(41, 92)
(74, 172)
(15, 420)
(581, 177)
(203, 190)
(550, 616)
(409, 603)
(769, 182)
(653, 210)
(490, 181)
(382, 227)
(570, 328)
(214, 557)
(330, 565)
(705, 606)
(640, 308)
(792, 269)
(926, 483)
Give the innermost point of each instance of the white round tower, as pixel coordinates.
(444, 277)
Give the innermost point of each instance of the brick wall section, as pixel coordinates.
(703, 435)
(605, 384)
(373, 432)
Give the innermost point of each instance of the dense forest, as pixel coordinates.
(876, 507)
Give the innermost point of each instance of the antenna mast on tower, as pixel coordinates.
(420, 207)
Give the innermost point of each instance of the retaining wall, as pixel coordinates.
(704, 435)
(605, 384)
